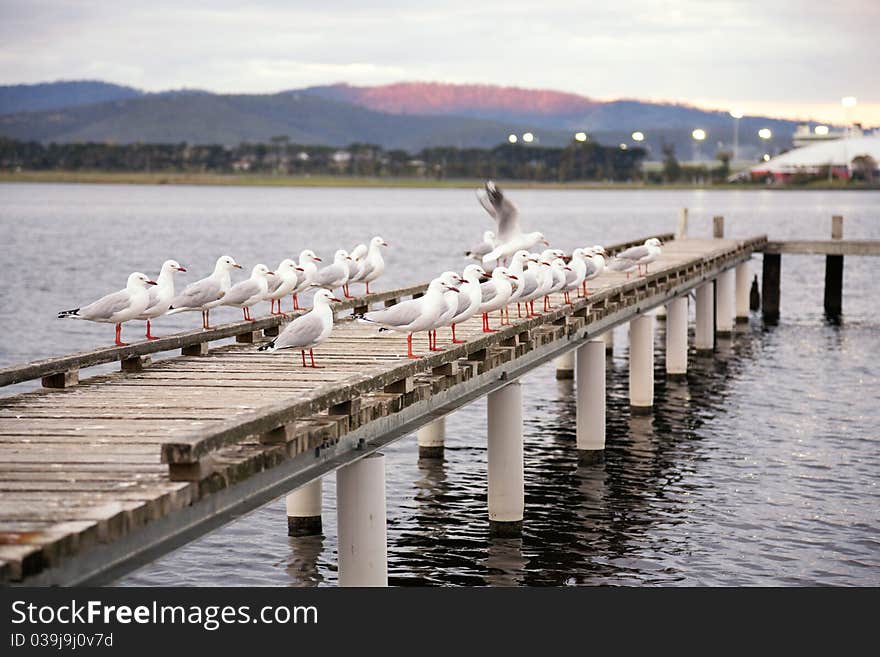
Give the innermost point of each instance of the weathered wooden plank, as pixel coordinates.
(824, 247)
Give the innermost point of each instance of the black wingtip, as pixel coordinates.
(267, 346)
(68, 313)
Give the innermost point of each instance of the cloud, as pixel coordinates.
(787, 52)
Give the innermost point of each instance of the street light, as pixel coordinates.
(766, 157)
(821, 130)
(528, 137)
(511, 138)
(623, 147)
(580, 136)
(638, 136)
(699, 135)
(765, 133)
(736, 115)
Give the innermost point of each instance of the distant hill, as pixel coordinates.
(54, 95)
(204, 118)
(407, 115)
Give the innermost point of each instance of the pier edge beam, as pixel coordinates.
(704, 335)
(431, 439)
(677, 338)
(742, 293)
(304, 510)
(590, 377)
(565, 365)
(724, 312)
(360, 509)
(834, 274)
(770, 275)
(641, 364)
(505, 461)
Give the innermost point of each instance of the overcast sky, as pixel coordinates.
(782, 57)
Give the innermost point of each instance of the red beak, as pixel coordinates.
(335, 299)
(237, 266)
(300, 269)
(181, 269)
(152, 283)
(385, 244)
(453, 289)
(348, 257)
(545, 242)
(513, 277)
(318, 259)
(569, 268)
(270, 273)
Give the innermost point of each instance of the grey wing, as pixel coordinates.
(401, 314)
(106, 306)
(480, 250)
(274, 281)
(198, 294)
(634, 253)
(505, 212)
(241, 292)
(367, 270)
(591, 268)
(301, 332)
(463, 302)
(570, 276)
(352, 268)
(530, 284)
(329, 274)
(489, 291)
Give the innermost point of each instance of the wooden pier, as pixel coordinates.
(100, 475)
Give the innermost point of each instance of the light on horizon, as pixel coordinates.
(699, 134)
(849, 101)
(766, 157)
(512, 138)
(638, 136)
(580, 136)
(736, 113)
(821, 130)
(623, 147)
(765, 133)
(528, 137)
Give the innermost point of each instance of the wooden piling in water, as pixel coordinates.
(834, 273)
(755, 295)
(718, 227)
(770, 283)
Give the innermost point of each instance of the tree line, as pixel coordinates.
(588, 161)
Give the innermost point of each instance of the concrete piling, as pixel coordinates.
(565, 365)
(834, 274)
(590, 363)
(505, 471)
(677, 338)
(641, 364)
(360, 509)
(304, 510)
(724, 308)
(704, 338)
(742, 293)
(431, 439)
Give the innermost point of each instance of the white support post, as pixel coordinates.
(565, 365)
(360, 509)
(608, 338)
(641, 364)
(304, 510)
(704, 338)
(430, 438)
(742, 293)
(724, 303)
(506, 483)
(591, 402)
(677, 338)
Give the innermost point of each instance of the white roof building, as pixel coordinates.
(837, 154)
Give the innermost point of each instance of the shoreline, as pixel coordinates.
(254, 180)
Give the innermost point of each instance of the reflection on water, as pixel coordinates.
(759, 469)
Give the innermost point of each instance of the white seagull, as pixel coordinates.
(333, 275)
(451, 295)
(307, 331)
(375, 261)
(469, 299)
(495, 294)
(477, 252)
(250, 291)
(307, 260)
(595, 264)
(510, 237)
(282, 283)
(162, 294)
(117, 307)
(636, 257)
(206, 293)
(413, 315)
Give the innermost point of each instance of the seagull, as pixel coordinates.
(353, 268)
(451, 279)
(374, 261)
(117, 307)
(636, 256)
(283, 283)
(577, 271)
(250, 291)
(510, 237)
(595, 264)
(477, 252)
(333, 275)
(469, 299)
(413, 315)
(307, 331)
(161, 294)
(558, 280)
(544, 278)
(358, 256)
(495, 294)
(206, 293)
(526, 276)
(307, 260)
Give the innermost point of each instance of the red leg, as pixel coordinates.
(409, 351)
(119, 342)
(150, 336)
(367, 284)
(435, 347)
(518, 310)
(312, 356)
(585, 288)
(454, 339)
(486, 328)
(303, 354)
(296, 302)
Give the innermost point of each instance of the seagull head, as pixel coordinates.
(227, 263)
(653, 242)
(326, 296)
(171, 267)
(138, 281)
(261, 271)
(378, 241)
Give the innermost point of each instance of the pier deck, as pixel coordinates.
(101, 477)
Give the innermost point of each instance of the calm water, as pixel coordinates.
(761, 469)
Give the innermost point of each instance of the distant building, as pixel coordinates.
(804, 135)
(830, 157)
